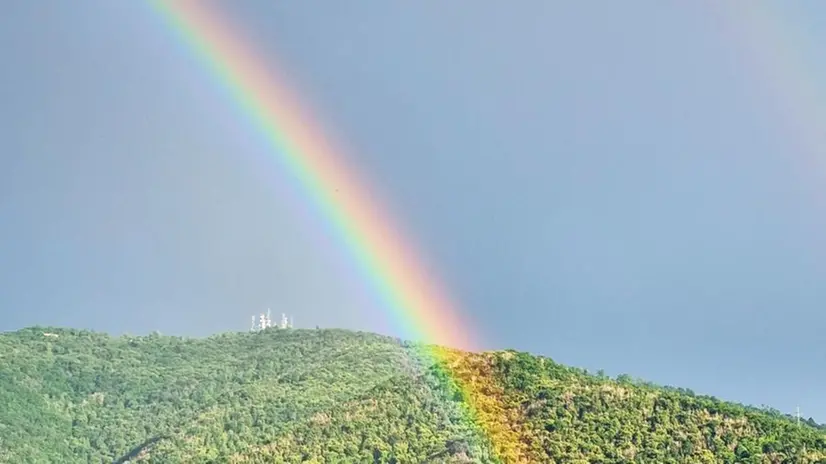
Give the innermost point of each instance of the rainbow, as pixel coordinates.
(420, 309)
(770, 40)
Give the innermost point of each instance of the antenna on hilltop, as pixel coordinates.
(798, 415)
(264, 320)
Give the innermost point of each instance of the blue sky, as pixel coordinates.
(613, 187)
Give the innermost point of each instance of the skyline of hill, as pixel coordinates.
(329, 395)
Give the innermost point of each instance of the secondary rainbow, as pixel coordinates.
(773, 39)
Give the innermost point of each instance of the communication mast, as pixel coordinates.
(264, 321)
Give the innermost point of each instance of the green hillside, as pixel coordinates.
(333, 396)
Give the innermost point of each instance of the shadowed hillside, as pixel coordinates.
(333, 396)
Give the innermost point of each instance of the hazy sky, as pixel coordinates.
(613, 185)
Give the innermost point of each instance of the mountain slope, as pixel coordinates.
(328, 396)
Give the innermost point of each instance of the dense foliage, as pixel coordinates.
(332, 396)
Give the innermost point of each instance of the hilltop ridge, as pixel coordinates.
(330, 396)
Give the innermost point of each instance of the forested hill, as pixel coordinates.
(333, 396)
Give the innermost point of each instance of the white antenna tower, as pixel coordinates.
(798, 415)
(264, 320)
